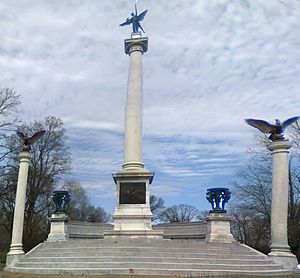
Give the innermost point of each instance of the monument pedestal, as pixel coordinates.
(132, 217)
(59, 227)
(218, 228)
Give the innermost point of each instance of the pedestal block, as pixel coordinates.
(59, 227)
(280, 250)
(218, 228)
(132, 215)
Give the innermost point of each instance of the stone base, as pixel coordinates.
(132, 218)
(59, 227)
(285, 258)
(157, 234)
(132, 212)
(12, 259)
(218, 228)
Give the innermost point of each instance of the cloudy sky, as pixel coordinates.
(210, 65)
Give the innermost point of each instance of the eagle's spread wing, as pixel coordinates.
(21, 135)
(127, 22)
(290, 121)
(263, 126)
(142, 15)
(36, 137)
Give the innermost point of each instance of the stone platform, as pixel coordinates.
(176, 254)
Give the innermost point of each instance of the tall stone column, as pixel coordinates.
(135, 48)
(280, 250)
(16, 247)
(132, 217)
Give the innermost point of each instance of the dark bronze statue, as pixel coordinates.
(135, 20)
(276, 131)
(61, 198)
(27, 142)
(218, 197)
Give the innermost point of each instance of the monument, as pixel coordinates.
(132, 216)
(16, 248)
(185, 249)
(279, 146)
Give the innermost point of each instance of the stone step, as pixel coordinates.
(147, 265)
(200, 272)
(126, 257)
(158, 253)
(199, 260)
(145, 249)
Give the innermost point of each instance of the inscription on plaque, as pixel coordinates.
(133, 193)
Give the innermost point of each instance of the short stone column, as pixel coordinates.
(218, 228)
(59, 227)
(280, 250)
(16, 247)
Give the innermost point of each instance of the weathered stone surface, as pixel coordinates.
(218, 228)
(59, 227)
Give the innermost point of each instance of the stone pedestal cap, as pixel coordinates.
(136, 44)
(139, 175)
(282, 144)
(24, 155)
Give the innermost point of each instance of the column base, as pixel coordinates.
(133, 166)
(12, 259)
(284, 257)
(59, 227)
(16, 249)
(218, 228)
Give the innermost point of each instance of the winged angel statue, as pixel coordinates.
(135, 20)
(275, 131)
(28, 141)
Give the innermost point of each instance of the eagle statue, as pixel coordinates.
(28, 141)
(275, 131)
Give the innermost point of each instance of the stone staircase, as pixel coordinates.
(147, 257)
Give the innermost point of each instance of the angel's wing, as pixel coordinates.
(21, 135)
(127, 22)
(36, 137)
(289, 121)
(263, 126)
(142, 15)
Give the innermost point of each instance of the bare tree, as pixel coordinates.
(9, 101)
(157, 205)
(179, 213)
(80, 208)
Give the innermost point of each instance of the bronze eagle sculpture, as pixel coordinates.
(135, 20)
(28, 141)
(275, 131)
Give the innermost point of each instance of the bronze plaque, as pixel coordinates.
(132, 193)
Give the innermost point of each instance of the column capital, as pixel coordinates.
(24, 155)
(280, 146)
(136, 44)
